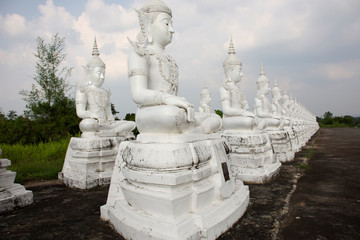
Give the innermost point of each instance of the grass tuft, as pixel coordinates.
(35, 162)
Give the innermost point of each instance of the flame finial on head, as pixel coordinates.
(231, 47)
(95, 51)
(95, 61)
(275, 82)
(232, 59)
(262, 72)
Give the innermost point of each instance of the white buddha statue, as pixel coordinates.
(234, 105)
(93, 103)
(154, 79)
(205, 100)
(263, 107)
(173, 182)
(276, 105)
(276, 97)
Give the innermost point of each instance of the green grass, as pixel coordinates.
(35, 162)
(304, 166)
(310, 153)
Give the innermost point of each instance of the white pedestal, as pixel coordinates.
(294, 139)
(280, 141)
(176, 190)
(12, 194)
(251, 156)
(89, 162)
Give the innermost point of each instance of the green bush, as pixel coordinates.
(35, 162)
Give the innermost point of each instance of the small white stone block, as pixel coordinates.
(12, 195)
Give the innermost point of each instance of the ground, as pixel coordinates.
(310, 199)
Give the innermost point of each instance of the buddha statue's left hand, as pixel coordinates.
(177, 101)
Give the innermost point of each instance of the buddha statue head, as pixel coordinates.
(232, 65)
(276, 92)
(263, 83)
(95, 68)
(285, 100)
(155, 23)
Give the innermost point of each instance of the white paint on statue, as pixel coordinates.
(271, 121)
(205, 100)
(251, 158)
(173, 182)
(89, 160)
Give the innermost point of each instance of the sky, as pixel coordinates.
(312, 48)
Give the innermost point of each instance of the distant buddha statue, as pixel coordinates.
(276, 105)
(205, 100)
(276, 97)
(154, 79)
(285, 109)
(93, 103)
(234, 105)
(263, 107)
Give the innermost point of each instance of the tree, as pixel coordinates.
(51, 113)
(328, 115)
(50, 76)
(219, 112)
(328, 118)
(114, 112)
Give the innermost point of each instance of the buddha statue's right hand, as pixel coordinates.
(249, 114)
(93, 115)
(177, 101)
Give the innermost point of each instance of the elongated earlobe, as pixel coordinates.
(150, 39)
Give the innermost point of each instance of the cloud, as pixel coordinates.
(13, 25)
(305, 44)
(340, 71)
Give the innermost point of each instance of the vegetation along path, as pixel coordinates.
(310, 199)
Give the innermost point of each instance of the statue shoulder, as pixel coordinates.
(80, 96)
(140, 50)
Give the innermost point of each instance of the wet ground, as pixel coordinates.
(310, 199)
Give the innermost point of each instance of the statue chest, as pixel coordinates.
(163, 74)
(237, 98)
(97, 99)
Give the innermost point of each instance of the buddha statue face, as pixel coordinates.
(97, 76)
(161, 30)
(235, 73)
(263, 87)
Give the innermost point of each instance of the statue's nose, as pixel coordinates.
(171, 29)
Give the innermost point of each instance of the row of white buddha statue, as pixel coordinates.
(182, 178)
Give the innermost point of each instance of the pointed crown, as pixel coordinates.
(205, 90)
(276, 88)
(262, 78)
(95, 61)
(232, 59)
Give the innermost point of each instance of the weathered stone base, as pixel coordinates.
(251, 156)
(89, 162)
(294, 139)
(281, 144)
(197, 200)
(14, 196)
(257, 175)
